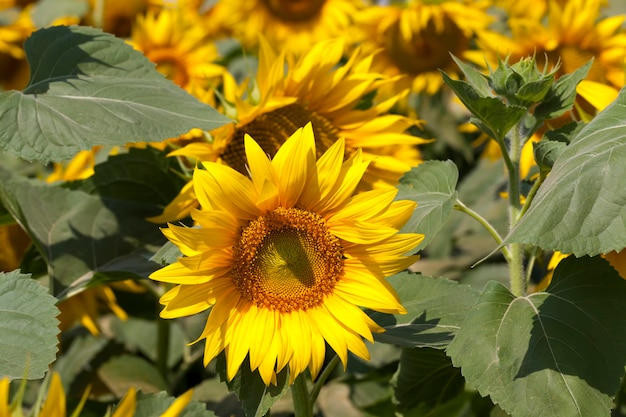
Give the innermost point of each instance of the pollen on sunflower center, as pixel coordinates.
(287, 260)
(270, 130)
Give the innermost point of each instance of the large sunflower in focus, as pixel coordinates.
(417, 39)
(177, 42)
(314, 88)
(292, 24)
(285, 257)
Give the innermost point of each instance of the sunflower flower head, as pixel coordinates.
(417, 38)
(290, 91)
(286, 256)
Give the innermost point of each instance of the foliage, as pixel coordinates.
(473, 342)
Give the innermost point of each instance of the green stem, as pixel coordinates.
(516, 268)
(458, 205)
(531, 194)
(302, 406)
(319, 383)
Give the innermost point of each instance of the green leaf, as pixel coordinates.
(425, 377)
(139, 334)
(78, 358)
(495, 116)
(153, 405)
(432, 186)
(141, 175)
(123, 372)
(559, 352)
(256, 398)
(79, 234)
(581, 207)
(167, 254)
(553, 143)
(436, 307)
(477, 80)
(28, 326)
(560, 98)
(90, 88)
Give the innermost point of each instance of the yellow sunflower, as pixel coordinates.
(295, 25)
(417, 39)
(285, 257)
(315, 88)
(176, 41)
(573, 33)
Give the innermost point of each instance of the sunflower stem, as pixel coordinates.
(458, 205)
(516, 250)
(302, 405)
(321, 380)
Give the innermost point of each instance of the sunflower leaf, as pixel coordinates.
(560, 98)
(28, 326)
(126, 371)
(436, 307)
(494, 115)
(79, 234)
(581, 207)
(425, 378)
(156, 404)
(90, 88)
(432, 186)
(558, 352)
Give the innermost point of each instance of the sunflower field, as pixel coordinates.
(330, 208)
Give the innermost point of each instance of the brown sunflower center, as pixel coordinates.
(271, 130)
(295, 11)
(287, 260)
(428, 50)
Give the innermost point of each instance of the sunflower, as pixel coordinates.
(176, 41)
(574, 34)
(284, 257)
(294, 25)
(417, 39)
(315, 88)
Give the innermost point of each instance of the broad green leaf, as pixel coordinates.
(141, 335)
(28, 326)
(78, 358)
(425, 377)
(121, 373)
(90, 88)
(256, 398)
(553, 143)
(79, 234)
(141, 175)
(478, 81)
(581, 207)
(493, 114)
(155, 405)
(560, 98)
(432, 186)
(436, 307)
(558, 352)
